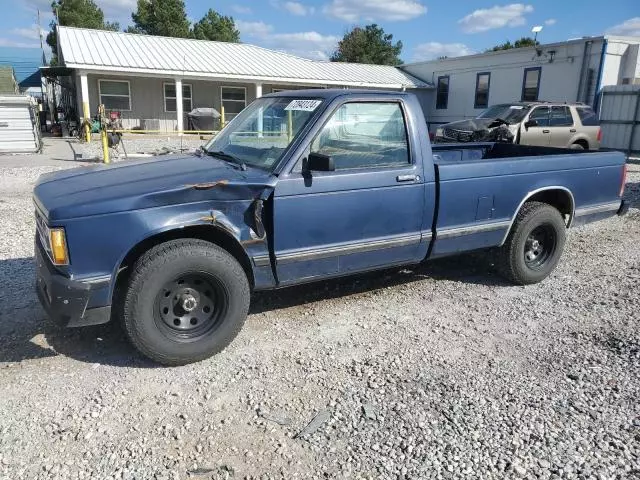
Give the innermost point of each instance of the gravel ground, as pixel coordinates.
(444, 371)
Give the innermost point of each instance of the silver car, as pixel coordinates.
(566, 125)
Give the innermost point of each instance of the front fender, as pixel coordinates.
(99, 245)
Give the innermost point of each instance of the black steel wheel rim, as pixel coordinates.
(190, 306)
(539, 246)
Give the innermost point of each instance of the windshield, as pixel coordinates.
(263, 131)
(508, 113)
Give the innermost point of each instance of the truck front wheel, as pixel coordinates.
(186, 300)
(534, 245)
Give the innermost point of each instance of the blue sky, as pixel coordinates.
(427, 28)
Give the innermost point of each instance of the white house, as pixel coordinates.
(571, 71)
(154, 81)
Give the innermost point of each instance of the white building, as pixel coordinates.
(154, 81)
(575, 70)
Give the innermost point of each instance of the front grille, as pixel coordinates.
(459, 135)
(42, 231)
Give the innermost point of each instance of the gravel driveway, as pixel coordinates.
(444, 371)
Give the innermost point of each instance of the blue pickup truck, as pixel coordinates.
(300, 186)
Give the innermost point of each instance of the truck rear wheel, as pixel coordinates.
(534, 245)
(186, 301)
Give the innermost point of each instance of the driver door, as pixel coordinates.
(366, 213)
(540, 134)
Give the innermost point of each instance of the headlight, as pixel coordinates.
(439, 132)
(58, 246)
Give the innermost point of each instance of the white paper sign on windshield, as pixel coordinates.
(303, 105)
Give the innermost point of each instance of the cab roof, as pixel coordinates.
(331, 93)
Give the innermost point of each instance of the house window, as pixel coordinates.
(442, 93)
(115, 94)
(531, 84)
(233, 99)
(170, 97)
(482, 90)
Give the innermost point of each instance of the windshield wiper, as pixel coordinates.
(235, 161)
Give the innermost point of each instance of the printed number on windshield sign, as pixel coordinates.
(303, 105)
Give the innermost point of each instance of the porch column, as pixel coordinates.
(179, 112)
(86, 112)
(260, 111)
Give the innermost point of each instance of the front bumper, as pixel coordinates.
(67, 302)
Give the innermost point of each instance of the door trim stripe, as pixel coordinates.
(472, 229)
(344, 249)
(601, 208)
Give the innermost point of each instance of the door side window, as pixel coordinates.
(540, 115)
(560, 117)
(365, 135)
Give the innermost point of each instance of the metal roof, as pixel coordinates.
(98, 50)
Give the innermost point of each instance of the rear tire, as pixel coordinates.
(186, 300)
(534, 245)
(577, 146)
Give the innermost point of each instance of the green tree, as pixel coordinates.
(522, 42)
(160, 17)
(214, 26)
(76, 13)
(368, 45)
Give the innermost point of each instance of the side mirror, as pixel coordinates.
(317, 162)
(530, 123)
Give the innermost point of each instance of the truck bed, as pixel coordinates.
(480, 186)
(456, 152)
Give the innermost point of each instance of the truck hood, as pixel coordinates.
(147, 183)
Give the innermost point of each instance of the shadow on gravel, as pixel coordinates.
(26, 333)
(473, 268)
(632, 194)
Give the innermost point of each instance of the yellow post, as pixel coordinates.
(103, 134)
(289, 126)
(87, 121)
(105, 144)
(222, 117)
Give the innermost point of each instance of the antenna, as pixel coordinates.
(536, 30)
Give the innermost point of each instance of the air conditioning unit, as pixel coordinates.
(150, 124)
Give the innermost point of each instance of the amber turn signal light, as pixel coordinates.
(58, 246)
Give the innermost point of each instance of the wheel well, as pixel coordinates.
(201, 232)
(583, 142)
(562, 200)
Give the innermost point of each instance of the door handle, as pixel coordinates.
(573, 130)
(545, 131)
(407, 178)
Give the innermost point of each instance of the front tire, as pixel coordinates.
(186, 301)
(534, 245)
